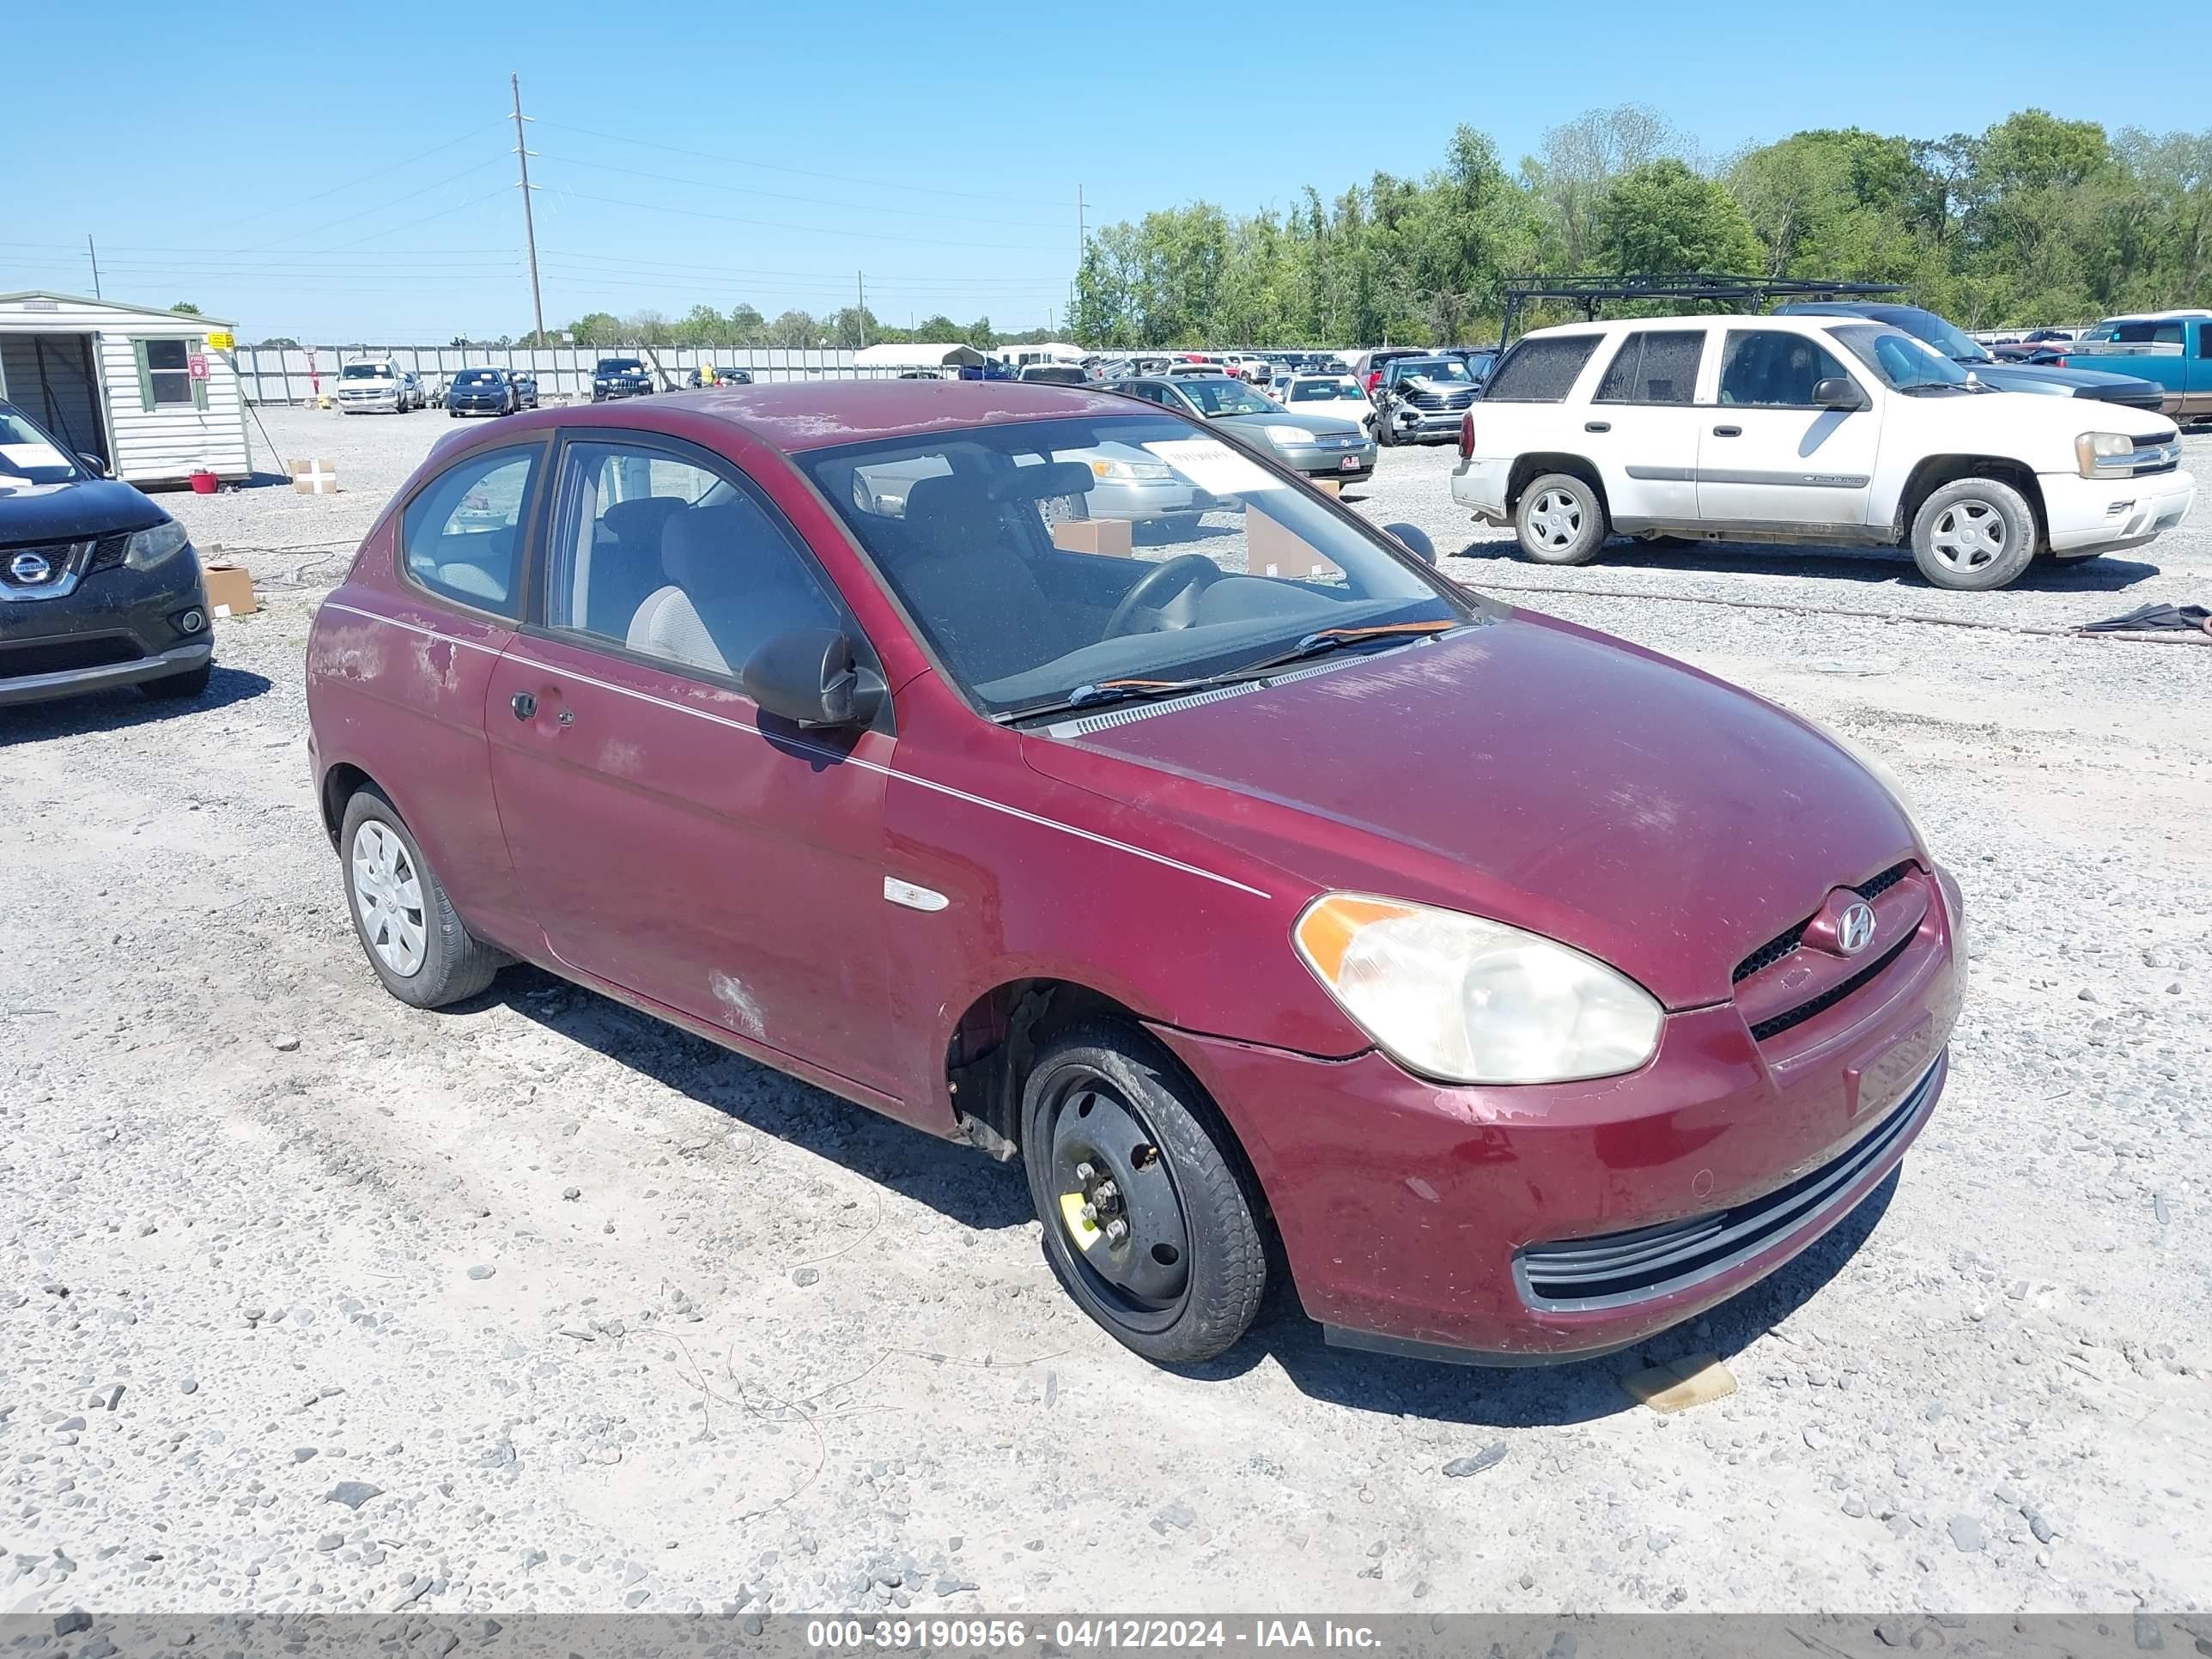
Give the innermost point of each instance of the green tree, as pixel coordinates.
(1662, 217)
(187, 307)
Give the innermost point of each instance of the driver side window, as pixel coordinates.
(1763, 368)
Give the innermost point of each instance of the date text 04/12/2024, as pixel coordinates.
(981, 1635)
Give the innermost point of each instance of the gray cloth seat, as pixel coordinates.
(733, 582)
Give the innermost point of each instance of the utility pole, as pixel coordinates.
(95, 252)
(529, 223)
(860, 287)
(1082, 247)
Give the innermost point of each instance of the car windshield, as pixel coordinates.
(1304, 391)
(474, 376)
(1947, 337)
(1225, 397)
(621, 366)
(1066, 563)
(1905, 363)
(28, 456)
(1433, 368)
(366, 372)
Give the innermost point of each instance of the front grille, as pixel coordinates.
(1441, 399)
(64, 656)
(1615, 1270)
(1829, 997)
(107, 552)
(1782, 944)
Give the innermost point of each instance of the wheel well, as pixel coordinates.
(991, 1047)
(339, 785)
(1936, 471)
(1529, 468)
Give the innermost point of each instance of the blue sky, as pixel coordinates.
(343, 173)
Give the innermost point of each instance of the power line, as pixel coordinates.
(276, 248)
(301, 201)
(810, 230)
(804, 172)
(786, 196)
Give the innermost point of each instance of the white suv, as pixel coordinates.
(1821, 430)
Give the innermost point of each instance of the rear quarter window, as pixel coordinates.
(1540, 371)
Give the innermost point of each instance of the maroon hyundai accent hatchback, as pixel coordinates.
(1033, 766)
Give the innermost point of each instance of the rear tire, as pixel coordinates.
(1385, 438)
(1187, 1277)
(406, 924)
(1559, 520)
(192, 683)
(1973, 535)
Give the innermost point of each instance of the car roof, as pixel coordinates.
(800, 415)
(1805, 324)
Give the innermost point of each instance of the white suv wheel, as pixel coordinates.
(1557, 519)
(1561, 521)
(1974, 534)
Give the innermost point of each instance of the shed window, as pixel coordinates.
(168, 377)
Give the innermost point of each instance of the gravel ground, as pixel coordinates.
(308, 1301)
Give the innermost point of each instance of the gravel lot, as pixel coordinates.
(308, 1301)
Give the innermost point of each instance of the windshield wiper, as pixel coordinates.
(1317, 644)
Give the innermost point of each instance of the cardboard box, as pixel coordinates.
(315, 477)
(1275, 549)
(1110, 536)
(229, 590)
(1328, 486)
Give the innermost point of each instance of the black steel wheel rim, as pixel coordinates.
(1112, 1197)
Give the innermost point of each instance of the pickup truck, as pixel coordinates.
(1806, 431)
(2171, 347)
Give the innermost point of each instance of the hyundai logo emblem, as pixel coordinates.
(30, 568)
(1854, 929)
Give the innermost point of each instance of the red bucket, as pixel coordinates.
(203, 484)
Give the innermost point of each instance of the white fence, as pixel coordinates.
(292, 375)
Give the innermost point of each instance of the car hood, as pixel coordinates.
(1526, 771)
(33, 513)
(1321, 425)
(2067, 382)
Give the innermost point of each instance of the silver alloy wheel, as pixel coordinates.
(387, 896)
(1556, 520)
(1967, 536)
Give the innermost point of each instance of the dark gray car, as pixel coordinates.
(2128, 390)
(1319, 446)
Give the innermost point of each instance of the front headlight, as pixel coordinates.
(1132, 472)
(1458, 998)
(156, 546)
(1296, 437)
(2095, 452)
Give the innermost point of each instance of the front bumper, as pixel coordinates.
(1144, 500)
(1315, 462)
(476, 405)
(117, 626)
(1410, 425)
(375, 403)
(602, 394)
(1417, 1216)
(2103, 515)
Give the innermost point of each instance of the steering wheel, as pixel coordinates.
(1164, 581)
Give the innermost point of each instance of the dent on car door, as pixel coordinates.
(674, 841)
(1767, 453)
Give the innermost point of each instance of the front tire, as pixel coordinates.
(1973, 535)
(406, 924)
(1117, 1140)
(1559, 520)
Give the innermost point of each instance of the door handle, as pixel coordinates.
(1728, 432)
(525, 705)
(1597, 426)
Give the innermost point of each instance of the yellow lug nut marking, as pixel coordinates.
(1080, 1227)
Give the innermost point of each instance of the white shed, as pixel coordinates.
(137, 387)
(932, 356)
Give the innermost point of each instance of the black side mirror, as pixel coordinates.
(809, 676)
(1414, 539)
(1839, 391)
(92, 464)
